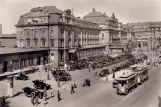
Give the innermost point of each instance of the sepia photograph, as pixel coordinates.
(80, 53)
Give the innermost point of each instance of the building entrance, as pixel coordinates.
(5, 66)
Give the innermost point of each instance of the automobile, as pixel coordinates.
(21, 76)
(104, 72)
(29, 92)
(40, 84)
(62, 75)
(114, 83)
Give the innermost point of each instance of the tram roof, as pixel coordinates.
(127, 76)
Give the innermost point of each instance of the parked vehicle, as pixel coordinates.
(62, 75)
(21, 76)
(29, 92)
(40, 84)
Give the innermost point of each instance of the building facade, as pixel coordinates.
(69, 37)
(147, 34)
(17, 58)
(112, 34)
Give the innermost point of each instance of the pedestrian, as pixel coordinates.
(96, 73)
(45, 97)
(59, 96)
(32, 100)
(72, 89)
(36, 100)
(113, 74)
(52, 92)
(3, 101)
(75, 85)
(106, 77)
(89, 68)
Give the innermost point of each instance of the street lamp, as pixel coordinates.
(48, 67)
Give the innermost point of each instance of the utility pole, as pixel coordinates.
(58, 70)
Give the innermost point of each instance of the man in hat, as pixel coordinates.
(59, 96)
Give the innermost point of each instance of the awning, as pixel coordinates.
(72, 51)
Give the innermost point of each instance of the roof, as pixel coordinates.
(94, 13)
(47, 9)
(96, 16)
(19, 50)
(8, 35)
(126, 76)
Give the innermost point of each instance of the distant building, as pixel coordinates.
(112, 32)
(7, 40)
(147, 34)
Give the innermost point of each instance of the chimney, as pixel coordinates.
(93, 9)
(0, 28)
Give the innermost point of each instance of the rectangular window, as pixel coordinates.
(28, 34)
(52, 33)
(35, 43)
(62, 43)
(43, 43)
(21, 34)
(52, 43)
(28, 43)
(35, 34)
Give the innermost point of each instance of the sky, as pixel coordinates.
(125, 10)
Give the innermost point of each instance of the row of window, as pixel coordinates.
(79, 22)
(35, 33)
(35, 43)
(36, 20)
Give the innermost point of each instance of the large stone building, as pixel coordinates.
(147, 34)
(68, 37)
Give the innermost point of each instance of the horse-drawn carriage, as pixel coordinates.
(32, 92)
(40, 84)
(104, 72)
(86, 82)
